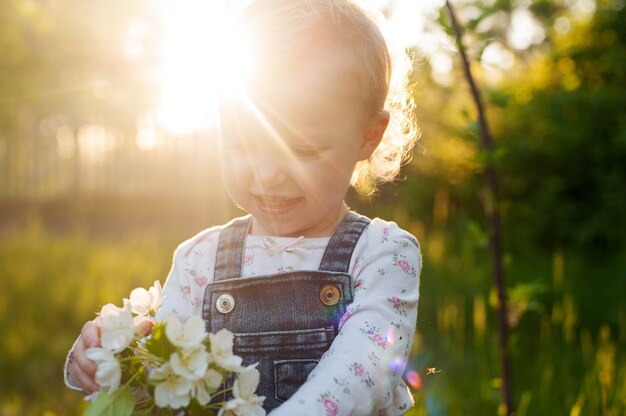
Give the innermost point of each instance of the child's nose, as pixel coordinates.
(269, 170)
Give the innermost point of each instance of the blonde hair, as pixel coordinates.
(278, 28)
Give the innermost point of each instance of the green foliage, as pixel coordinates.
(557, 118)
(52, 284)
(568, 140)
(118, 403)
(158, 344)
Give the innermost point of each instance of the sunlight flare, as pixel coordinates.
(202, 55)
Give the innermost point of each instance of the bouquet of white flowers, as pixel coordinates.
(172, 369)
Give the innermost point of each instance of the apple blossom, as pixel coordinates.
(173, 391)
(206, 385)
(181, 371)
(246, 384)
(244, 401)
(146, 302)
(240, 407)
(190, 363)
(116, 327)
(108, 372)
(189, 335)
(222, 350)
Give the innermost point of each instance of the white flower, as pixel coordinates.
(108, 372)
(245, 402)
(190, 363)
(173, 391)
(116, 327)
(190, 335)
(222, 350)
(207, 385)
(239, 407)
(246, 384)
(146, 302)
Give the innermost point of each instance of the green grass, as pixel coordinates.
(51, 285)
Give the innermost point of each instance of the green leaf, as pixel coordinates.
(444, 22)
(158, 344)
(118, 403)
(195, 409)
(143, 412)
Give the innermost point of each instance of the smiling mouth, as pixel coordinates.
(275, 205)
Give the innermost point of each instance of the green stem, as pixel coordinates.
(221, 392)
(134, 376)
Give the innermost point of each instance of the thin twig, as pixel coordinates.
(492, 210)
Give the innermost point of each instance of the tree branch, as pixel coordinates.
(492, 210)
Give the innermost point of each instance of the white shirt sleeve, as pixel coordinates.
(68, 377)
(361, 373)
(174, 300)
(191, 271)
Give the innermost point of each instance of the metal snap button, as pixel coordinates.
(225, 303)
(329, 295)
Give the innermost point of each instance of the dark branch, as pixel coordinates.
(492, 210)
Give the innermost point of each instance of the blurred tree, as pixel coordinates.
(555, 82)
(558, 106)
(564, 129)
(68, 63)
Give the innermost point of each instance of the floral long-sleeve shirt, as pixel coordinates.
(361, 372)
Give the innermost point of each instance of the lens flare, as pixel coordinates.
(390, 337)
(395, 364)
(414, 379)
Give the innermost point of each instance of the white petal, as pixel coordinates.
(162, 395)
(116, 326)
(99, 354)
(108, 371)
(156, 295)
(109, 310)
(160, 373)
(183, 386)
(173, 329)
(140, 301)
(213, 379)
(222, 340)
(246, 383)
(190, 363)
(194, 330)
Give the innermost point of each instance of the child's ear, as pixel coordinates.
(374, 134)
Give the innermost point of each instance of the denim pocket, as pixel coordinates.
(289, 375)
(284, 342)
(285, 358)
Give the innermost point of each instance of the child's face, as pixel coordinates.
(288, 160)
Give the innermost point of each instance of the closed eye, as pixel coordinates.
(306, 152)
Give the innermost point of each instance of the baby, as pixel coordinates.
(324, 299)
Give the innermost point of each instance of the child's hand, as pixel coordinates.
(82, 369)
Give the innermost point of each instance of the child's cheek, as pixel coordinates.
(236, 171)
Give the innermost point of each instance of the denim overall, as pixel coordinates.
(283, 321)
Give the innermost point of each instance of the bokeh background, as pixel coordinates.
(108, 161)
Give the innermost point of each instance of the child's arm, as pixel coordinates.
(361, 373)
(191, 271)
